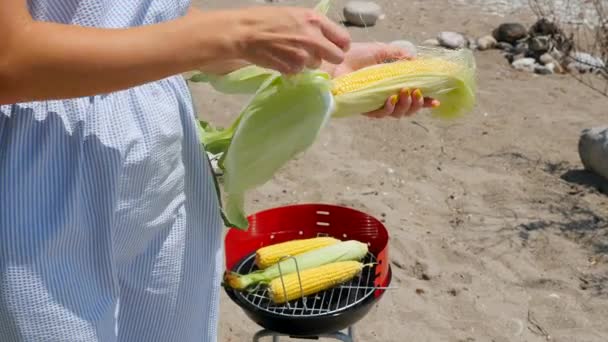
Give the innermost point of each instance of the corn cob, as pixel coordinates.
(270, 255)
(342, 251)
(367, 77)
(313, 280)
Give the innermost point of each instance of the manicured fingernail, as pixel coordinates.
(406, 92)
(418, 94)
(435, 103)
(394, 99)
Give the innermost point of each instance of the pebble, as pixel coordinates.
(486, 43)
(510, 32)
(544, 69)
(539, 45)
(525, 64)
(407, 46)
(362, 13)
(593, 150)
(546, 58)
(431, 42)
(585, 62)
(504, 46)
(452, 40)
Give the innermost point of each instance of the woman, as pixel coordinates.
(109, 224)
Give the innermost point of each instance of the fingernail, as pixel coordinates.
(407, 92)
(435, 103)
(394, 99)
(418, 94)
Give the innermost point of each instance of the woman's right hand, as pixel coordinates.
(289, 39)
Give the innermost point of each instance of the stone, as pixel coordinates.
(593, 150)
(510, 32)
(539, 45)
(452, 40)
(544, 27)
(546, 58)
(525, 64)
(520, 48)
(362, 13)
(504, 46)
(431, 42)
(556, 54)
(584, 62)
(544, 69)
(407, 46)
(486, 43)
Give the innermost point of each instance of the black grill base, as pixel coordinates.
(307, 327)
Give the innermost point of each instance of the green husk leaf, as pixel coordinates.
(246, 80)
(282, 120)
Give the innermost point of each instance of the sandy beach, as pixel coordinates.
(497, 234)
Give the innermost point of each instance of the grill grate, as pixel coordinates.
(322, 303)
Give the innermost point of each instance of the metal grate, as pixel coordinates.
(326, 302)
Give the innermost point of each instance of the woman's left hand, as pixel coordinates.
(360, 55)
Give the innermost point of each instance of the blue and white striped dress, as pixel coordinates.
(109, 222)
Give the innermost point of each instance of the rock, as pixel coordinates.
(431, 42)
(510, 32)
(486, 43)
(593, 150)
(539, 45)
(544, 27)
(546, 58)
(452, 40)
(584, 62)
(518, 56)
(525, 64)
(471, 43)
(544, 69)
(407, 46)
(504, 46)
(520, 48)
(362, 13)
(557, 55)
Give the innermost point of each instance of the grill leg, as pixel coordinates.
(265, 333)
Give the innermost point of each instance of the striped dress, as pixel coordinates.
(109, 221)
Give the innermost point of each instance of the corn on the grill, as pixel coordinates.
(313, 280)
(350, 250)
(270, 255)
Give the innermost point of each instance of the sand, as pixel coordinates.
(491, 216)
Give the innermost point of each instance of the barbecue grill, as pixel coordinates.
(325, 314)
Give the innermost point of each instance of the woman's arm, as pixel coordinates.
(40, 60)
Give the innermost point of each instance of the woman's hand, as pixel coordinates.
(361, 55)
(289, 39)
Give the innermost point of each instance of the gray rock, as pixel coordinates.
(407, 46)
(546, 58)
(593, 150)
(556, 54)
(362, 13)
(452, 40)
(431, 42)
(544, 27)
(539, 45)
(544, 69)
(584, 62)
(520, 48)
(525, 64)
(510, 32)
(486, 43)
(504, 46)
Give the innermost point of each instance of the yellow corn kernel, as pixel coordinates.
(270, 255)
(312, 280)
(368, 76)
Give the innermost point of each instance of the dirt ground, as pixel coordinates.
(491, 215)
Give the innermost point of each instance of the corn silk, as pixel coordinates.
(286, 113)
